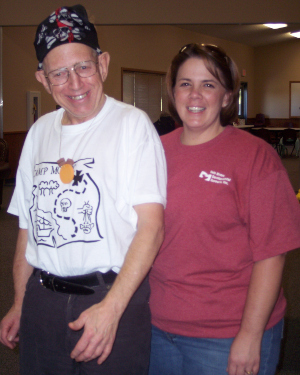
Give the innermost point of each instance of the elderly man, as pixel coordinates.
(90, 194)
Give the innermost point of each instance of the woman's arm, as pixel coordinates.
(262, 295)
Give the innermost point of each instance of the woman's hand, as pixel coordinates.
(264, 287)
(244, 357)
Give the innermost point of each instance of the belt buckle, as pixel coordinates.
(41, 278)
(52, 283)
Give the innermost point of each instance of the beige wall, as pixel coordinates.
(140, 47)
(19, 65)
(275, 66)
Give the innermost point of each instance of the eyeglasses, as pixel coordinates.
(212, 50)
(188, 46)
(83, 69)
(215, 51)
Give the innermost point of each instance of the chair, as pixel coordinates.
(266, 135)
(262, 133)
(289, 138)
(259, 120)
(165, 124)
(4, 165)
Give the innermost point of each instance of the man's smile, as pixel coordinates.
(78, 97)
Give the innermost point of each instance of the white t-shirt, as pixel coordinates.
(88, 224)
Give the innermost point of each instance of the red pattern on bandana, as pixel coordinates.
(62, 24)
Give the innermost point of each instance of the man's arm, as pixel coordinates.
(101, 321)
(9, 327)
(262, 295)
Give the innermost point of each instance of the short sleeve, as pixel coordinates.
(274, 216)
(146, 177)
(20, 201)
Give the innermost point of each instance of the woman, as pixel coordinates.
(231, 216)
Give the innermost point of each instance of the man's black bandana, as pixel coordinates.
(65, 25)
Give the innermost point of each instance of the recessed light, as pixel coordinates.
(275, 25)
(296, 34)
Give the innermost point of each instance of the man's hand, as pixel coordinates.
(100, 321)
(100, 325)
(9, 328)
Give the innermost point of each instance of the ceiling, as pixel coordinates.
(238, 21)
(254, 35)
(157, 12)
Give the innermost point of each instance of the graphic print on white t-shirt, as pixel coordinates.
(65, 213)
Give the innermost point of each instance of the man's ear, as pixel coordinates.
(103, 61)
(40, 76)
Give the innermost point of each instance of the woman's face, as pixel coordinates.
(199, 96)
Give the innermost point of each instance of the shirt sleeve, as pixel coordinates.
(274, 216)
(146, 168)
(20, 201)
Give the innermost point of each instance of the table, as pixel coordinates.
(281, 129)
(243, 126)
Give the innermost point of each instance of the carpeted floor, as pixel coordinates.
(290, 358)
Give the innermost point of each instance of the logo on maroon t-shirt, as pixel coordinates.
(215, 177)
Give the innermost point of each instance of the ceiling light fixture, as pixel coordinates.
(275, 25)
(296, 34)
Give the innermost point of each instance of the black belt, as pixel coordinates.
(74, 284)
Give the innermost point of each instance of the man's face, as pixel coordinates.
(82, 98)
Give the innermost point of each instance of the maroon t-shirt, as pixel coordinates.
(229, 204)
